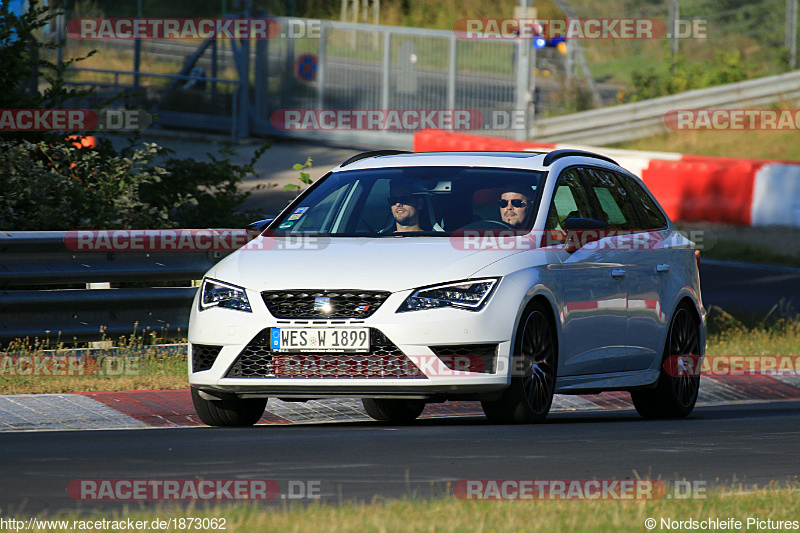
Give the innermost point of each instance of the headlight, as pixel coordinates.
(471, 295)
(215, 293)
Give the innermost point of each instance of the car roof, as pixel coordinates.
(519, 159)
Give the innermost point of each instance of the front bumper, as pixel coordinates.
(405, 366)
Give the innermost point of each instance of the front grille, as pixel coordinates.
(203, 356)
(343, 303)
(384, 360)
(469, 357)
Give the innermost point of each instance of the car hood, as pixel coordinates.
(389, 263)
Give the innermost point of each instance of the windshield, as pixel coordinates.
(414, 201)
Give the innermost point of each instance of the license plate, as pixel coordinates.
(319, 339)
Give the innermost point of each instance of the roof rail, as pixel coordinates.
(558, 154)
(373, 153)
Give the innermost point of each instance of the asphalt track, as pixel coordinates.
(756, 289)
(729, 439)
(750, 444)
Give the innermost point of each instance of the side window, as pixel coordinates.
(375, 213)
(320, 216)
(651, 215)
(569, 200)
(613, 203)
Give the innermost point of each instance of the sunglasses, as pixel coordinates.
(516, 202)
(405, 200)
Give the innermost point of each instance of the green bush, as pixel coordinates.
(728, 67)
(49, 184)
(61, 187)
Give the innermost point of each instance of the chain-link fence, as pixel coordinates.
(362, 67)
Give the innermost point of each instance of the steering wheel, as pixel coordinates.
(487, 223)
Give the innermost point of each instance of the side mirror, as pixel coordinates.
(577, 224)
(260, 225)
(254, 229)
(581, 231)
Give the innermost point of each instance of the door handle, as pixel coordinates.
(662, 268)
(617, 273)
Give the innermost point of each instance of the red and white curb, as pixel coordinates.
(173, 408)
(747, 192)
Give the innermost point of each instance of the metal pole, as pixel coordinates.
(137, 52)
(321, 61)
(674, 14)
(214, 70)
(387, 58)
(451, 74)
(60, 35)
(791, 32)
(523, 96)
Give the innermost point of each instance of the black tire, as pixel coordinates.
(534, 366)
(673, 396)
(398, 411)
(228, 412)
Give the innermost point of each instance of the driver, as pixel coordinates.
(406, 207)
(515, 206)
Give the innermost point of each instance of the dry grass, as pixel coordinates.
(781, 145)
(28, 369)
(448, 514)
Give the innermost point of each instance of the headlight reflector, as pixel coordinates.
(470, 295)
(215, 293)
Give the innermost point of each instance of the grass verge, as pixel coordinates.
(448, 514)
(749, 144)
(35, 370)
(744, 334)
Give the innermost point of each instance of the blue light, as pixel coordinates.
(539, 42)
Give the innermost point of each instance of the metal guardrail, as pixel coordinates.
(32, 264)
(641, 119)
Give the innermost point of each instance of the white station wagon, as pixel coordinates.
(412, 278)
